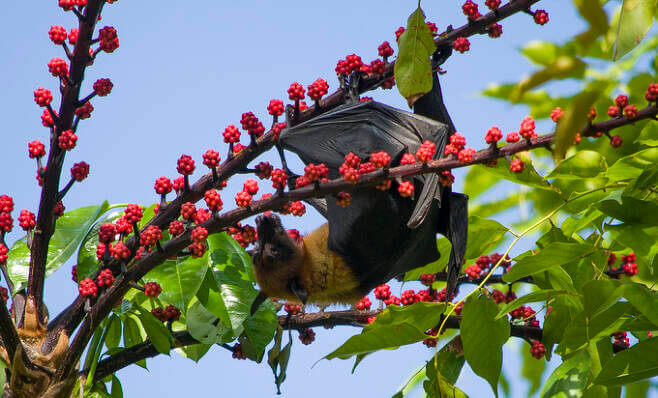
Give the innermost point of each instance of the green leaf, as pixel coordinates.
(643, 299)
(649, 134)
(635, 21)
(413, 71)
(592, 11)
(633, 236)
(260, 327)
(555, 254)
(194, 352)
(180, 279)
(633, 364)
(442, 372)
(532, 371)
(414, 381)
(483, 236)
(492, 208)
(573, 120)
(133, 335)
(200, 325)
(117, 390)
(113, 335)
(633, 165)
(599, 295)
(157, 332)
(563, 67)
(483, 351)
(569, 379)
(528, 177)
(444, 247)
(88, 264)
(476, 182)
(637, 390)
(583, 164)
(563, 309)
(70, 229)
(536, 296)
(574, 224)
(541, 52)
(278, 358)
(631, 210)
(394, 327)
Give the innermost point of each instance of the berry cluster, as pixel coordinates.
(275, 107)
(109, 41)
(426, 151)
(307, 336)
(231, 134)
(527, 129)
(317, 89)
(237, 352)
(470, 9)
(120, 251)
(251, 124)
(384, 50)
(461, 44)
(242, 199)
(621, 340)
(213, 201)
(292, 308)
(169, 314)
(105, 278)
(150, 236)
(348, 65)
(296, 92)
(279, 179)
(537, 350)
(406, 189)
(103, 87)
(87, 288)
(363, 304)
(27, 220)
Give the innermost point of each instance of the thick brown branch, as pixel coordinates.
(46, 218)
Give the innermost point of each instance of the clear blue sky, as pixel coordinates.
(184, 70)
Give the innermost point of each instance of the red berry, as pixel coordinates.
(231, 134)
(408, 158)
(432, 26)
(380, 159)
(297, 208)
(621, 101)
(152, 289)
(466, 155)
(105, 278)
(527, 129)
(317, 89)
(3, 253)
(363, 304)
(350, 174)
(57, 34)
(242, 199)
(556, 114)
(185, 165)
(211, 159)
(616, 141)
(73, 35)
(213, 200)
(426, 151)
(275, 108)
(470, 9)
(59, 209)
(541, 17)
(630, 269)
(343, 199)
(103, 87)
(120, 251)
(199, 234)
(457, 140)
(461, 44)
(450, 150)
(493, 135)
(366, 168)
(263, 170)
(201, 216)
(512, 137)
(516, 166)
(109, 41)
(382, 292)
(47, 118)
(67, 140)
(277, 128)
(495, 30)
(630, 111)
(446, 178)
(292, 308)
(36, 149)
(399, 32)
(80, 171)
(150, 236)
(42, 96)
(176, 228)
(492, 4)
(163, 185)
(392, 300)
(88, 288)
(408, 297)
(296, 92)
(27, 220)
(651, 94)
(279, 179)
(385, 50)
(406, 189)
(6, 222)
(58, 67)
(427, 279)
(388, 83)
(537, 350)
(106, 233)
(473, 272)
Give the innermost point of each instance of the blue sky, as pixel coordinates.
(183, 72)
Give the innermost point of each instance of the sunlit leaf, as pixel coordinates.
(635, 21)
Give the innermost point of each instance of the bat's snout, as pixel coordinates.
(267, 227)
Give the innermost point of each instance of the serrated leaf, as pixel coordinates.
(413, 71)
(555, 254)
(483, 351)
(573, 120)
(635, 21)
(583, 164)
(70, 230)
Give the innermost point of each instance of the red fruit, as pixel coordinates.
(461, 44)
(446, 178)
(57, 34)
(516, 166)
(350, 174)
(201, 216)
(651, 94)
(556, 114)
(343, 199)
(133, 213)
(58, 67)
(185, 165)
(6, 222)
(150, 236)
(199, 234)
(213, 200)
(307, 336)
(292, 308)
(495, 30)
(106, 233)
(432, 26)
(163, 185)
(527, 129)
(466, 155)
(388, 83)
(263, 170)
(426, 151)
(399, 32)
(493, 4)
(363, 304)
(392, 300)
(279, 179)
(120, 251)
(302, 181)
(366, 168)
(297, 208)
(103, 87)
(365, 99)
(630, 111)
(382, 292)
(277, 128)
(59, 209)
(242, 199)
(537, 350)
(109, 41)
(470, 9)
(457, 140)
(350, 64)
(317, 89)
(237, 148)
(406, 189)
(176, 228)
(152, 289)
(408, 297)
(84, 112)
(385, 50)
(237, 352)
(493, 135)
(73, 35)
(88, 288)
(408, 158)
(384, 185)
(3, 253)
(27, 220)
(541, 17)
(42, 96)
(380, 159)
(275, 108)
(296, 92)
(47, 118)
(512, 137)
(231, 134)
(80, 171)
(616, 141)
(105, 278)
(473, 272)
(67, 140)
(621, 101)
(36, 149)
(427, 279)
(211, 159)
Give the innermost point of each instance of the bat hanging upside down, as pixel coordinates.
(381, 234)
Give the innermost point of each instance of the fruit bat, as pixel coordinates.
(381, 234)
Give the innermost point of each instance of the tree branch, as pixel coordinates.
(8, 333)
(45, 226)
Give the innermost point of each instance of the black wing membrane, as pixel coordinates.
(381, 233)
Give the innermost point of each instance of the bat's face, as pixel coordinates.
(275, 246)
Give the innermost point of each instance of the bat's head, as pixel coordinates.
(276, 249)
